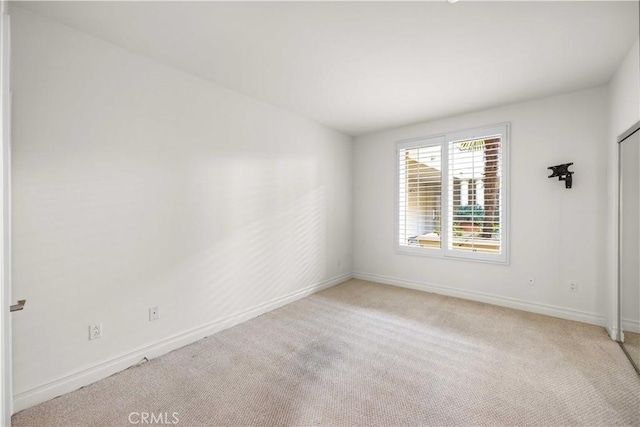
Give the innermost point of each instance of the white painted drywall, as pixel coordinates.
(624, 109)
(5, 216)
(557, 234)
(136, 185)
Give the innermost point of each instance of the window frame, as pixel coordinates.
(503, 129)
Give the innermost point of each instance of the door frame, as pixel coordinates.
(623, 137)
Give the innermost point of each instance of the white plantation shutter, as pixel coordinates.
(475, 220)
(420, 193)
(452, 195)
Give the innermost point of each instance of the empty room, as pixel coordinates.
(301, 213)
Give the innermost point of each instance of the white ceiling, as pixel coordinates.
(364, 66)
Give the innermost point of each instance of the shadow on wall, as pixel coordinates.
(262, 234)
(202, 236)
(273, 244)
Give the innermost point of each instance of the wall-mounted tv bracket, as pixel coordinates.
(563, 173)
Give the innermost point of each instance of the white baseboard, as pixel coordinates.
(113, 365)
(533, 307)
(612, 332)
(631, 325)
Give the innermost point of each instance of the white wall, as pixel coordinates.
(557, 234)
(5, 217)
(624, 109)
(136, 185)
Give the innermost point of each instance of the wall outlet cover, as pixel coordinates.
(95, 331)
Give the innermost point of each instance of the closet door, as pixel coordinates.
(629, 239)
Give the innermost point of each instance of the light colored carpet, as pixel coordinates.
(632, 345)
(368, 354)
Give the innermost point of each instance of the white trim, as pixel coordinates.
(618, 193)
(631, 325)
(113, 365)
(533, 307)
(612, 332)
(5, 219)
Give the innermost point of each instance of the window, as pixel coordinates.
(452, 195)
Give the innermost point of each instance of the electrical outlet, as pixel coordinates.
(573, 287)
(95, 331)
(153, 314)
(531, 281)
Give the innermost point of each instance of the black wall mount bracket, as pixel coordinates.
(563, 173)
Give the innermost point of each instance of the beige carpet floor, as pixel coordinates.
(371, 355)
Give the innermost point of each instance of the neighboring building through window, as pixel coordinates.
(452, 194)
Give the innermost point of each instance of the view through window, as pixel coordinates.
(451, 194)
